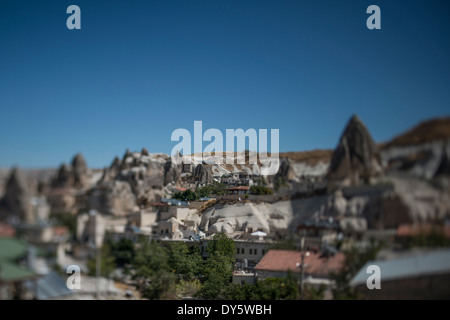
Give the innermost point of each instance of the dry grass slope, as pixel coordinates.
(312, 157)
(427, 131)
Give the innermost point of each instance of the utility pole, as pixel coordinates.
(97, 272)
(302, 269)
(302, 264)
(97, 246)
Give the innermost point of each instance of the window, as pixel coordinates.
(237, 250)
(243, 251)
(256, 251)
(263, 251)
(251, 251)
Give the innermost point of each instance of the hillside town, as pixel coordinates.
(147, 228)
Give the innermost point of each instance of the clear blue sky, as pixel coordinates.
(140, 69)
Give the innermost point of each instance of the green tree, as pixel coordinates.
(243, 292)
(178, 196)
(151, 264)
(203, 192)
(278, 288)
(123, 251)
(217, 273)
(107, 262)
(186, 261)
(188, 288)
(215, 188)
(160, 282)
(218, 188)
(218, 268)
(149, 258)
(260, 190)
(187, 195)
(268, 289)
(221, 245)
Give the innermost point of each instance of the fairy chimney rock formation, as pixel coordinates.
(79, 171)
(14, 205)
(64, 178)
(356, 159)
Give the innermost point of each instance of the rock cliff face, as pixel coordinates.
(64, 178)
(356, 159)
(172, 172)
(80, 171)
(202, 175)
(412, 172)
(444, 163)
(136, 180)
(113, 197)
(412, 175)
(75, 176)
(421, 152)
(65, 188)
(15, 203)
(286, 170)
(109, 174)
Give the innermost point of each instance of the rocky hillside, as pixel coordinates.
(425, 132)
(14, 203)
(412, 170)
(422, 152)
(405, 181)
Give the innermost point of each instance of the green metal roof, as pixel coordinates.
(11, 249)
(10, 271)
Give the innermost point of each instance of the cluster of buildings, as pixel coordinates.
(346, 203)
(194, 176)
(317, 258)
(172, 220)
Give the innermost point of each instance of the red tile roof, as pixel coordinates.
(6, 231)
(284, 260)
(60, 230)
(160, 204)
(240, 188)
(408, 230)
(181, 189)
